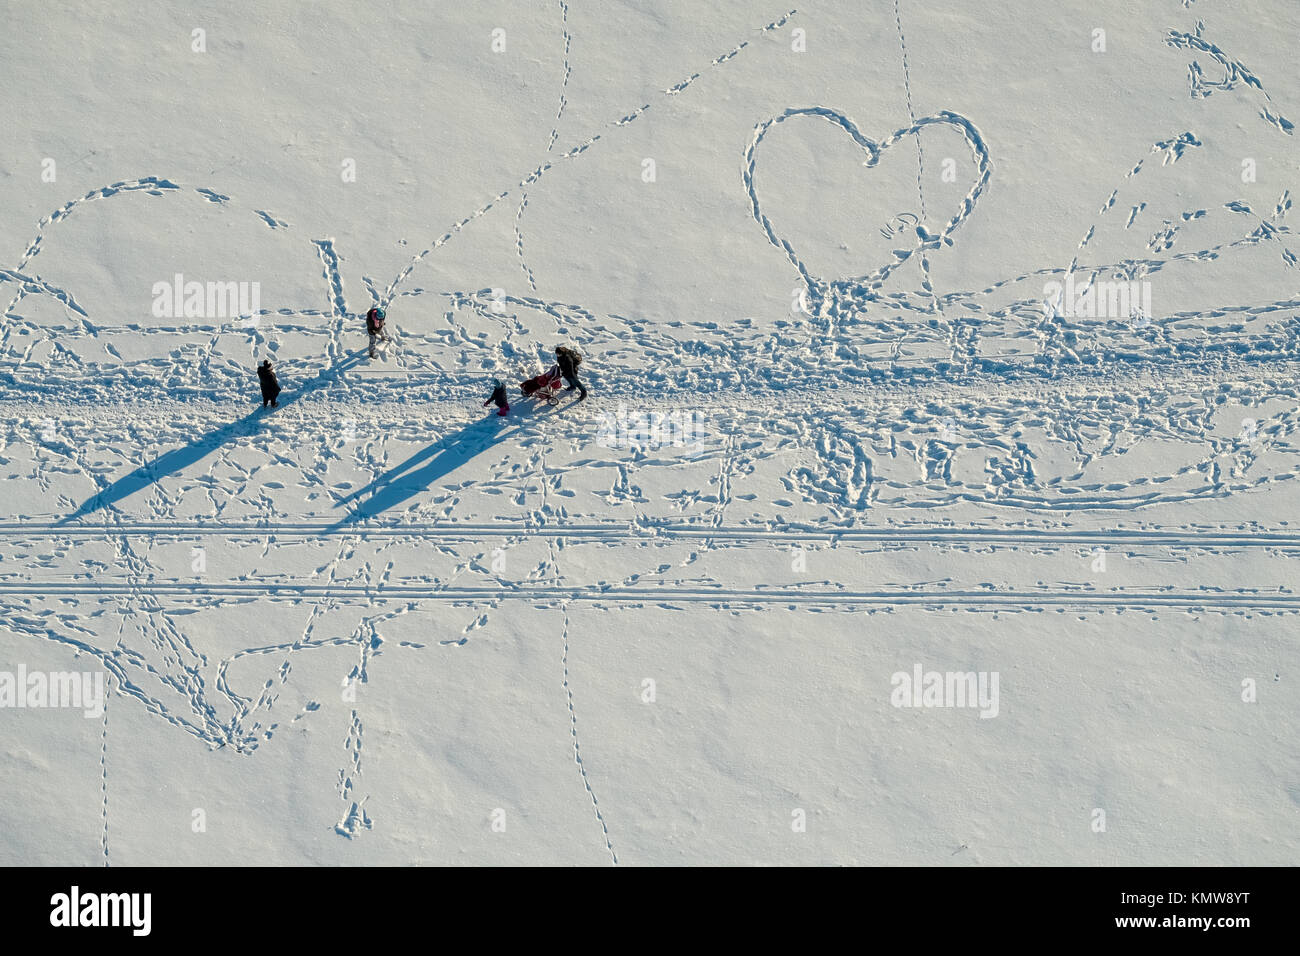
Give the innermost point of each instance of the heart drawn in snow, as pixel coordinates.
(923, 238)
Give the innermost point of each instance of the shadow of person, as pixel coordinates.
(406, 480)
(179, 459)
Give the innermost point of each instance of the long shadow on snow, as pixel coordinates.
(178, 459)
(401, 483)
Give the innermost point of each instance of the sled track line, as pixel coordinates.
(667, 534)
(1259, 601)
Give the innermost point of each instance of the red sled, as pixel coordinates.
(545, 386)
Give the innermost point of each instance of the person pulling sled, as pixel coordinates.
(568, 360)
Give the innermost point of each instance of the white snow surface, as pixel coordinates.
(839, 428)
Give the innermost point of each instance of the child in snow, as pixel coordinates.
(498, 397)
(270, 387)
(375, 326)
(569, 360)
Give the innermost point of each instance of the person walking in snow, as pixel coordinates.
(498, 398)
(568, 359)
(375, 326)
(270, 387)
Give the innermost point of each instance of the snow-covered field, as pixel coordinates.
(937, 340)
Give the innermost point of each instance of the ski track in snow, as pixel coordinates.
(989, 403)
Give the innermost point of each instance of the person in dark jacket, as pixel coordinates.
(375, 326)
(498, 397)
(270, 387)
(569, 360)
